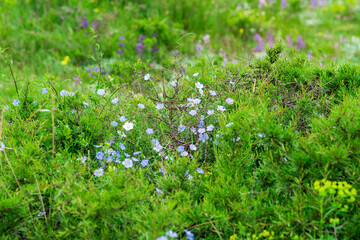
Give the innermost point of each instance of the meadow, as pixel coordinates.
(170, 119)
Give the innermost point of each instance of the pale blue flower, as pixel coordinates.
(212, 93)
(149, 131)
(137, 153)
(173, 83)
(229, 101)
(128, 163)
(199, 85)
(210, 112)
(221, 108)
(16, 102)
(181, 128)
(141, 106)
(184, 153)
(72, 94)
(260, 135)
(100, 92)
(100, 155)
(115, 100)
(122, 119)
(195, 74)
(189, 235)
(144, 163)
(63, 93)
(158, 190)
(172, 234)
(201, 130)
(199, 170)
(114, 123)
(180, 148)
(193, 147)
(44, 91)
(193, 112)
(99, 172)
(122, 146)
(135, 159)
(159, 106)
(197, 101)
(85, 104)
(6, 107)
(229, 124)
(162, 238)
(210, 128)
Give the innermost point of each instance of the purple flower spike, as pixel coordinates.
(155, 35)
(283, 3)
(289, 40)
(84, 22)
(121, 44)
(121, 38)
(141, 37)
(300, 43)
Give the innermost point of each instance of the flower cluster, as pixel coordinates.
(342, 190)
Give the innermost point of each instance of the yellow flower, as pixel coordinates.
(65, 61)
(233, 237)
(241, 30)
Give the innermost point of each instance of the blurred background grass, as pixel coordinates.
(38, 35)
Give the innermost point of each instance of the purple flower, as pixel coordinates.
(121, 38)
(121, 44)
(289, 40)
(155, 35)
(270, 38)
(206, 38)
(300, 43)
(283, 3)
(84, 22)
(141, 37)
(198, 48)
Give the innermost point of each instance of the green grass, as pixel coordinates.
(272, 153)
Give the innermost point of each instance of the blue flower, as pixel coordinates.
(158, 190)
(229, 101)
(189, 235)
(192, 112)
(44, 91)
(137, 153)
(181, 128)
(141, 106)
(99, 172)
(100, 155)
(101, 92)
(162, 238)
(144, 163)
(212, 93)
(180, 148)
(149, 131)
(6, 107)
(16, 102)
(114, 123)
(199, 170)
(122, 146)
(122, 119)
(115, 100)
(63, 93)
(159, 106)
(172, 234)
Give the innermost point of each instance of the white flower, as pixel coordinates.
(210, 112)
(199, 85)
(115, 100)
(149, 131)
(260, 135)
(63, 93)
(128, 163)
(221, 108)
(229, 101)
(147, 77)
(212, 93)
(101, 92)
(128, 126)
(85, 104)
(159, 106)
(192, 112)
(195, 74)
(99, 172)
(141, 106)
